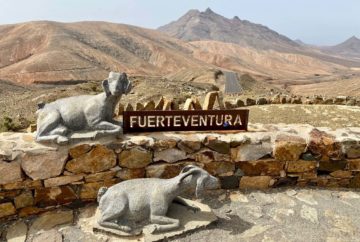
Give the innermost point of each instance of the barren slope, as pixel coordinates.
(57, 52)
(346, 87)
(267, 63)
(208, 25)
(349, 48)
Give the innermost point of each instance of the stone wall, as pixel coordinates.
(35, 178)
(214, 100)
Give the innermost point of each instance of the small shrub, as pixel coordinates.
(8, 124)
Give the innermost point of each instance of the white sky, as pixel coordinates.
(322, 22)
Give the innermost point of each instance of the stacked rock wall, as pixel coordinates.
(214, 98)
(35, 178)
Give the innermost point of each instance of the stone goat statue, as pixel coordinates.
(86, 112)
(148, 199)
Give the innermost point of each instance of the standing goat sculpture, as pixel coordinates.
(148, 199)
(86, 112)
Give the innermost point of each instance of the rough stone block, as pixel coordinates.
(256, 182)
(89, 191)
(351, 148)
(220, 168)
(128, 174)
(79, 150)
(189, 145)
(25, 199)
(98, 159)
(44, 165)
(324, 146)
(268, 167)
(341, 174)
(101, 176)
(355, 181)
(330, 166)
(170, 155)
(229, 182)
(52, 196)
(28, 211)
(288, 147)
(206, 156)
(166, 171)
(251, 152)
(7, 209)
(354, 165)
(62, 180)
(301, 166)
(135, 158)
(164, 144)
(10, 172)
(218, 144)
(26, 184)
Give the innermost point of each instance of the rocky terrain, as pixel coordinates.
(349, 48)
(208, 25)
(199, 42)
(48, 52)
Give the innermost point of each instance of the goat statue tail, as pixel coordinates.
(101, 192)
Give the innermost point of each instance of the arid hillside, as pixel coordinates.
(37, 52)
(194, 48)
(349, 48)
(208, 25)
(266, 63)
(343, 87)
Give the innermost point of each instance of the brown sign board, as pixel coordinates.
(190, 120)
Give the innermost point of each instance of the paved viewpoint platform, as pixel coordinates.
(289, 215)
(283, 215)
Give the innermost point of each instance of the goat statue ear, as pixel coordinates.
(200, 184)
(188, 171)
(187, 168)
(105, 84)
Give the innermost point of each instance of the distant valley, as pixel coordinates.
(69, 53)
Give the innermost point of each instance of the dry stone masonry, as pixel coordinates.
(35, 178)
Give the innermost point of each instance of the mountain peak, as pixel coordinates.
(354, 38)
(209, 25)
(209, 11)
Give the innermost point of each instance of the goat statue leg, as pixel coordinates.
(105, 127)
(182, 201)
(50, 127)
(163, 223)
(113, 212)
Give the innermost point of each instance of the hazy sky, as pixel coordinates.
(322, 22)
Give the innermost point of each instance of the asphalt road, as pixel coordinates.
(232, 84)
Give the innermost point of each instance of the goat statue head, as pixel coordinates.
(116, 84)
(200, 177)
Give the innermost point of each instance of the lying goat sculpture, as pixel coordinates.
(87, 112)
(148, 199)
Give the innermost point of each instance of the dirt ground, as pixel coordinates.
(20, 102)
(332, 116)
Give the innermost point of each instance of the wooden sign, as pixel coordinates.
(191, 120)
